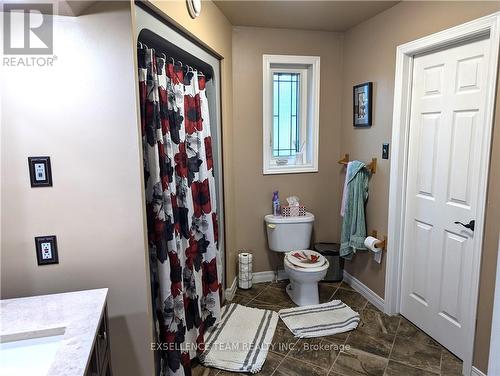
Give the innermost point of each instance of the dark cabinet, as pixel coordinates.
(100, 358)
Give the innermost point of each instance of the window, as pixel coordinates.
(291, 118)
(286, 111)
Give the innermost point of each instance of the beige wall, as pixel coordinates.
(369, 55)
(213, 29)
(82, 113)
(253, 191)
(490, 251)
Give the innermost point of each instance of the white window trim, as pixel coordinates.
(311, 64)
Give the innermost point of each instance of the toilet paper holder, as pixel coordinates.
(382, 243)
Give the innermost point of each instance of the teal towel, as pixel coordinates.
(354, 223)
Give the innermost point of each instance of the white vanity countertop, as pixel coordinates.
(78, 313)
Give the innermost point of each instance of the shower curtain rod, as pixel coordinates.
(164, 56)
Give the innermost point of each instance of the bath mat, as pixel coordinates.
(241, 340)
(320, 320)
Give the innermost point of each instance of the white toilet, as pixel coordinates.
(287, 234)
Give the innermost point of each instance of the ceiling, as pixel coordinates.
(72, 7)
(295, 14)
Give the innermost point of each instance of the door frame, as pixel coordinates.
(482, 27)
(494, 360)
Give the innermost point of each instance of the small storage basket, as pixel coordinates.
(293, 211)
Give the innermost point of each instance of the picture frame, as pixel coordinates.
(46, 250)
(362, 105)
(40, 171)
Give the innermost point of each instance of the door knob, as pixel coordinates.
(469, 225)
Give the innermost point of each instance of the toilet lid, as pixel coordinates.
(305, 258)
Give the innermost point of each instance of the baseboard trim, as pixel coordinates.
(257, 277)
(229, 293)
(364, 290)
(476, 372)
(356, 284)
(268, 276)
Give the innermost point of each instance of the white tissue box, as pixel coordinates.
(293, 211)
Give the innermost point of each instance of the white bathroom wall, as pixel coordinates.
(82, 113)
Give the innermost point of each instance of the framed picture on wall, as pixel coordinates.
(362, 104)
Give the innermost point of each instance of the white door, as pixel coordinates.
(446, 130)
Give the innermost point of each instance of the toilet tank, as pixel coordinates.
(289, 233)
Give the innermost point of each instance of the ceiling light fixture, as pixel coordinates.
(194, 8)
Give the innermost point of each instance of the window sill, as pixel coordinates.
(273, 170)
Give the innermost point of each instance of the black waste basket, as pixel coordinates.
(331, 252)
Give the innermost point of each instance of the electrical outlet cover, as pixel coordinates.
(46, 250)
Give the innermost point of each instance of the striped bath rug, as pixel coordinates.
(241, 340)
(320, 320)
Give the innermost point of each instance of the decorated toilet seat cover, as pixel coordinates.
(305, 258)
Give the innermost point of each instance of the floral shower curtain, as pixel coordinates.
(181, 209)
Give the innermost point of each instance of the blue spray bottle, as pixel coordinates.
(276, 204)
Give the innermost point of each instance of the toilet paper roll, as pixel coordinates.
(245, 270)
(370, 242)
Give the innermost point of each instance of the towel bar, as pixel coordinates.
(372, 166)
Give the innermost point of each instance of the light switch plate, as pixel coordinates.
(40, 171)
(46, 250)
(385, 151)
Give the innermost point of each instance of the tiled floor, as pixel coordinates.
(381, 345)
